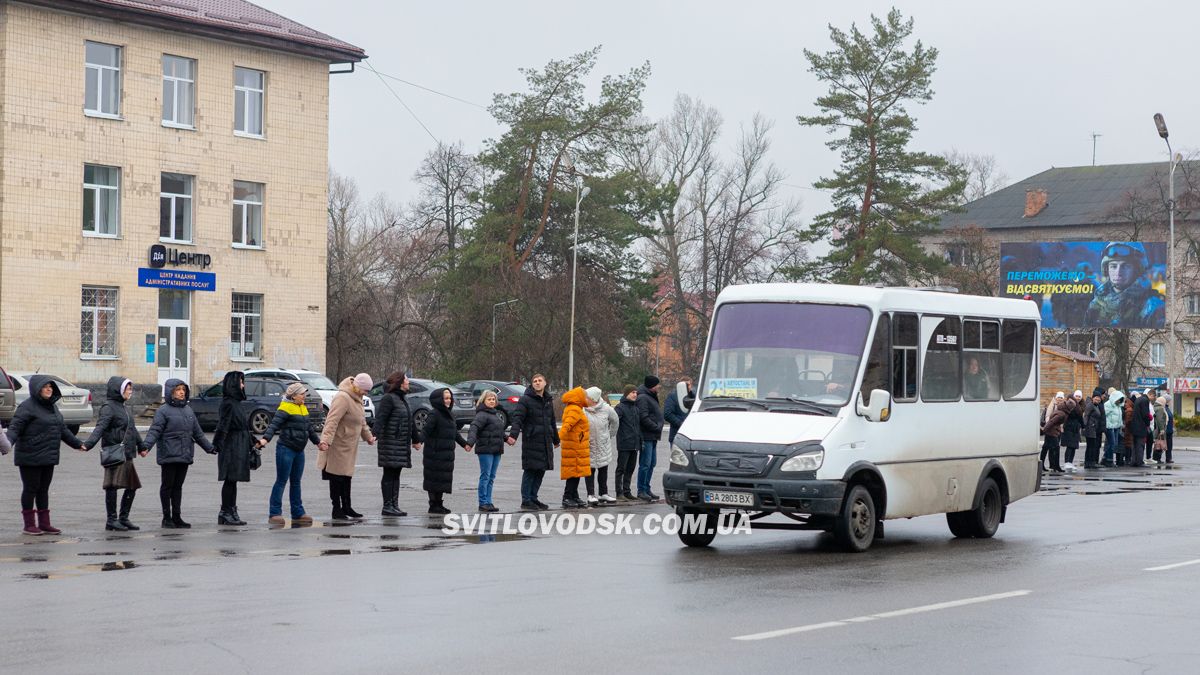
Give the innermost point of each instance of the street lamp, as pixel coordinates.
(496, 306)
(1174, 159)
(581, 191)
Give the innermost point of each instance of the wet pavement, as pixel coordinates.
(1092, 574)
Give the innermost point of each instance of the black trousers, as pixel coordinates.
(600, 473)
(170, 492)
(626, 466)
(339, 491)
(571, 491)
(1050, 447)
(35, 486)
(389, 485)
(1071, 452)
(1091, 455)
(228, 495)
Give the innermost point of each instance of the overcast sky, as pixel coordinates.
(1027, 82)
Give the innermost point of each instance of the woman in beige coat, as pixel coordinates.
(344, 426)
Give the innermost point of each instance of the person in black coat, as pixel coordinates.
(35, 432)
(1094, 427)
(651, 418)
(233, 442)
(396, 437)
(629, 442)
(116, 427)
(1071, 431)
(533, 421)
(175, 431)
(487, 438)
(1139, 427)
(674, 412)
(441, 434)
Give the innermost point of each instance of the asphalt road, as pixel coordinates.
(1089, 575)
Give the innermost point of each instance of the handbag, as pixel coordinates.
(113, 455)
(255, 459)
(1160, 445)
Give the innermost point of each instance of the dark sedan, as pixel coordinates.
(509, 394)
(262, 399)
(418, 400)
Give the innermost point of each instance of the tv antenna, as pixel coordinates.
(1094, 137)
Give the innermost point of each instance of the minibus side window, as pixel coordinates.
(905, 343)
(981, 360)
(1016, 359)
(940, 380)
(876, 374)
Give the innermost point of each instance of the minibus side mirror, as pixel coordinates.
(879, 409)
(681, 393)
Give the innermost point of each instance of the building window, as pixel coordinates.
(245, 326)
(1158, 354)
(175, 208)
(179, 91)
(102, 79)
(98, 322)
(247, 214)
(101, 200)
(1190, 257)
(1191, 355)
(249, 94)
(1193, 304)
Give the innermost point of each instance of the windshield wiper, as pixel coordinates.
(738, 399)
(807, 405)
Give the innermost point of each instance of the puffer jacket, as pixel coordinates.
(1071, 426)
(533, 423)
(1093, 420)
(37, 427)
(1054, 426)
(602, 432)
(293, 427)
(394, 431)
(576, 441)
(650, 414)
(1114, 409)
(175, 429)
(486, 435)
(115, 426)
(441, 435)
(629, 432)
(232, 438)
(344, 426)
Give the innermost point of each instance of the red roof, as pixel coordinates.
(235, 18)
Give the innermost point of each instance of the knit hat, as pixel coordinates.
(295, 388)
(629, 389)
(363, 381)
(1098, 391)
(593, 393)
(1078, 394)
(651, 382)
(1060, 395)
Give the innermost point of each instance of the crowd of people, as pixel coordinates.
(593, 435)
(1135, 430)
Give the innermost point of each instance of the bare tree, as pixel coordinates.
(450, 181)
(984, 176)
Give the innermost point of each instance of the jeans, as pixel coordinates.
(1170, 447)
(289, 468)
(646, 462)
(626, 464)
(1110, 444)
(531, 482)
(487, 476)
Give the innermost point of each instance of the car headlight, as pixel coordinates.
(679, 457)
(808, 461)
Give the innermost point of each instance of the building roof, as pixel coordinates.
(1075, 196)
(236, 20)
(1067, 354)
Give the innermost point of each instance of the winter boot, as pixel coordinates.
(43, 518)
(31, 527)
(110, 507)
(126, 504)
(223, 517)
(237, 518)
(346, 501)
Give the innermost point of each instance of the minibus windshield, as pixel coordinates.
(781, 351)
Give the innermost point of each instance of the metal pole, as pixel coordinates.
(574, 272)
(1171, 275)
(494, 340)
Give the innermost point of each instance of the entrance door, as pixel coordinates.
(174, 335)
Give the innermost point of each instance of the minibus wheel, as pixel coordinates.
(983, 521)
(854, 527)
(700, 539)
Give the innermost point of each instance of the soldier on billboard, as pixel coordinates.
(1126, 299)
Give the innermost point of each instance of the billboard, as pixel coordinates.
(1089, 284)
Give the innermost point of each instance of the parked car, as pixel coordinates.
(509, 393)
(315, 381)
(8, 398)
(418, 401)
(75, 404)
(263, 395)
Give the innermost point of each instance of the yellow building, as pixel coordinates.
(163, 178)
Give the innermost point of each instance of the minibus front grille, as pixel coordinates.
(732, 463)
(728, 484)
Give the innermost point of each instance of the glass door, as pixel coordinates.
(174, 336)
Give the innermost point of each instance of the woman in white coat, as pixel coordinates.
(603, 423)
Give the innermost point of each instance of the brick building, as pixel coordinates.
(163, 179)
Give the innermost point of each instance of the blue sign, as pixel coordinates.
(150, 352)
(178, 279)
(1151, 382)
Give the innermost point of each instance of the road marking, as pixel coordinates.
(1171, 567)
(885, 615)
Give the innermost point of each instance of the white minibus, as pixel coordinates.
(844, 406)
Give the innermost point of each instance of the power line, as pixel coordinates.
(432, 91)
(401, 101)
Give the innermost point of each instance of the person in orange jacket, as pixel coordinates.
(576, 446)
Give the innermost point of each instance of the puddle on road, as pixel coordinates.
(113, 566)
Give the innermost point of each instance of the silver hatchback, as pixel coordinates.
(75, 404)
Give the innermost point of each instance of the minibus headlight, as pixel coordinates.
(808, 461)
(679, 457)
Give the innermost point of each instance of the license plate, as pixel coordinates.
(728, 498)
